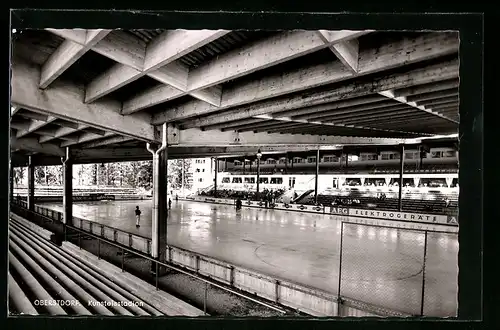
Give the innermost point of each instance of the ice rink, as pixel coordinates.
(380, 266)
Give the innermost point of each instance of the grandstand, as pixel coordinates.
(363, 177)
(46, 279)
(84, 193)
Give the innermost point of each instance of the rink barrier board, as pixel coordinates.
(396, 219)
(287, 293)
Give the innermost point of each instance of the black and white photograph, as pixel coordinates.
(234, 173)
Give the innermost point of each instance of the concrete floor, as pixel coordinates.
(380, 266)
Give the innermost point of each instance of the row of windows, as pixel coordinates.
(200, 161)
(363, 157)
(263, 180)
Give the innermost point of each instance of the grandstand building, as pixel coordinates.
(367, 177)
(202, 172)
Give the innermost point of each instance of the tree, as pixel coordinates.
(175, 174)
(19, 173)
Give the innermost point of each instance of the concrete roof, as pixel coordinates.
(104, 93)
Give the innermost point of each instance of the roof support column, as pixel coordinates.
(11, 182)
(159, 210)
(216, 161)
(258, 179)
(31, 184)
(316, 178)
(67, 164)
(401, 170)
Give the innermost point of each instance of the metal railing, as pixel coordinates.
(82, 233)
(351, 262)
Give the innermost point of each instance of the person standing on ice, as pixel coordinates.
(137, 216)
(169, 203)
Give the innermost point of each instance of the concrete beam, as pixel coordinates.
(34, 125)
(257, 56)
(240, 62)
(197, 137)
(402, 99)
(106, 142)
(60, 133)
(371, 61)
(20, 126)
(123, 48)
(337, 127)
(370, 100)
(33, 145)
(75, 35)
(428, 88)
(432, 103)
(424, 75)
(86, 137)
(433, 95)
(347, 52)
(225, 126)
(33, 115)
(161, 51)
(69, 124)
(67, 54)
(172, 45)
(64, 101)
(94, 131)
(361, 112)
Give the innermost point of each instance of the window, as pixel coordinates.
(282, 161)
(330, 159)
(276, 180)
(436, 154)
(198, 170)
(390, 156)
(237, 180)
(449, 153)
(411, 155)
(264, 180)
(368, 157)
(249, 180)
(311, 159)
(271, 161)
(225, 180)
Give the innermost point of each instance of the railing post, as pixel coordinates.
(277, 291)
(339, 298)
(231, 275)
(156, 275)
(197, 264)
(205, 300)
(80, 240)
(169, 254)
(423, 277)
(98, 249)
(123, 258)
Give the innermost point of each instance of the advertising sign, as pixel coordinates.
(339, 210)
(395, 215)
